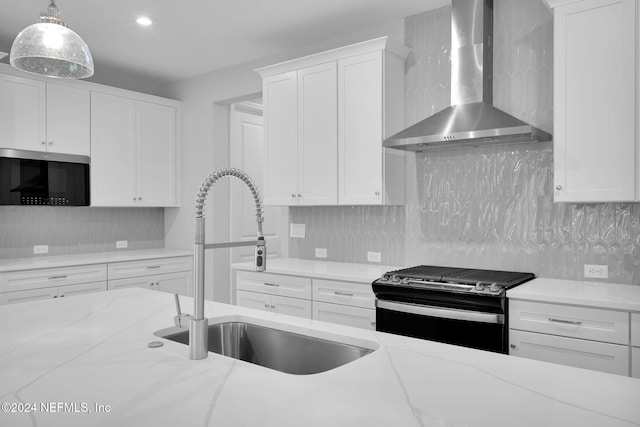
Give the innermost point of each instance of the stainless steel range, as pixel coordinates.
(459, 306)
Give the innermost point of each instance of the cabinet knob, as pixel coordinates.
(139, 198)
(273, 306)
(266, 306)
(377, 193)
(299, 195)
(512, 346)
(50, 142)
(134, 198)
(558, 187)
(293, 195)
(373, 323)
(43, 143)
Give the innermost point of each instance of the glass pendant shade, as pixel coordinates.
(51, 49)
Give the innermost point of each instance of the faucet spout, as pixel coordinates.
(198, 337)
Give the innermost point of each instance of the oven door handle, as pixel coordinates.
(445, 313)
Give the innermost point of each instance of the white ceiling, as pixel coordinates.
(192, 37)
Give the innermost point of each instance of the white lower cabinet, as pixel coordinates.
(635, 362)
(345, 303)
(175, 283)
(598, 356)
(172, 274)
(345, 315)
(51, 292)
(584, 337)
(278, 304)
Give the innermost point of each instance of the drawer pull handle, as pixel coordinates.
(57, 277)
(152, 266)
(344, 294)
(567, 322)
(272, 284)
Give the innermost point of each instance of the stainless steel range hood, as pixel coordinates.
(471, 120)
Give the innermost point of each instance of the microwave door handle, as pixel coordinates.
(444, 313)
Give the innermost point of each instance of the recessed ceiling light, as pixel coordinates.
(144, 21)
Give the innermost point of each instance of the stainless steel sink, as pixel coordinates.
(284, 351)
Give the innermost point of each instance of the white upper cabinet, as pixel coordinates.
(596, 151)
(133, 152)
(280, 94)
(43, 116)
(301, 136)
(326, 116)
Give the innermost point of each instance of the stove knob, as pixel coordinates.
(479, 286)
(405, 280)
(494, 287)
(395, 278)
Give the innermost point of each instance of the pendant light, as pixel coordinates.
(50, 48)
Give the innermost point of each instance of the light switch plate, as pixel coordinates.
(374, 257)
(321, 252)
(41, 249)
(595, 271)
(122, 244)
(297, 230)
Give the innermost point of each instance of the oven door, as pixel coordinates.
(481, 330)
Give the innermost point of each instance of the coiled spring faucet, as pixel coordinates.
(198, 334)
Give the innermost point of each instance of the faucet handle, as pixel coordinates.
(181, 319)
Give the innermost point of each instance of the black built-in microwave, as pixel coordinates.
(46, 179)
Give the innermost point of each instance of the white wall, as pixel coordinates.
(205, 146)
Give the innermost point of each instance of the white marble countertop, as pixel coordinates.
(330, 270)
(35, 262)
(92, 350)
(576, 292)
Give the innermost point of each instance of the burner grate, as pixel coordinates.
(467, 276)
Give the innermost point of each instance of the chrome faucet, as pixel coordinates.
(198, 336)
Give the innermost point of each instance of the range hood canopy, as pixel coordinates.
(471, 120)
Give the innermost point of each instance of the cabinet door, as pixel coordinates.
(360, 129)
(113, 156)
(177, 283)
(156, 154)
(281, 139)
(598, 356)
(28, 295)
(253, 300)
(68, 120)
(22, 113)
(594, 101)
(83, 288)
(635, 362)
(345, 315)
(318, 135)
(291, 306)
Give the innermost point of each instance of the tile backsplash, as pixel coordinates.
(72, 230)
(490, 207)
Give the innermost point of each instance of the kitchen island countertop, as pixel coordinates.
(84, 361)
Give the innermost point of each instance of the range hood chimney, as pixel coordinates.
(471, 120)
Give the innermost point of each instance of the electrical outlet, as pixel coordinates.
(321, 252)
(41, 249)
(122, 244)
(296, 230)
(594, 271)
(374, 257)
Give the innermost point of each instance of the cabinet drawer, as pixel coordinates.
(568, 321)
(274, 284)
(179, 283)
(344, 315)
(48, 277)
(611, 358)
(635, 362)
(347, 293)
(635, 329)
(149, 267)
